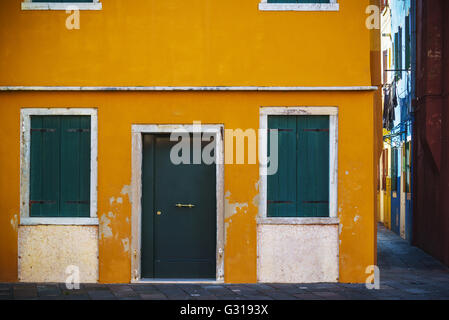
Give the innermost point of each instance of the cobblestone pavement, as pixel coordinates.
(406, 272)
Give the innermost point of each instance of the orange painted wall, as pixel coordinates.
(118, 110)
(194, 43)
(176, 42)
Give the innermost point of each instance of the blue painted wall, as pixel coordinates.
(405, 88)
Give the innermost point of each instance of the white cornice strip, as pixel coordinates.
(299, 6)
(61, 6)
(159, 88)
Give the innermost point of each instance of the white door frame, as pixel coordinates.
(136, 187)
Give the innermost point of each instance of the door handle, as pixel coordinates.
(179, 205)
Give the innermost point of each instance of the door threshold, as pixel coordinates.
(179, 281)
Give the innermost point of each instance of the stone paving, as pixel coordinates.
(406, 272)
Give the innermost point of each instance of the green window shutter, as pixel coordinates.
(60, 166)
(300, 188)
(282, 185)
(75, 166)
(396, 54)
(407, 43)
(313, 166)
(400, 54)
(408, 167)
(44, 166)
(394, 169)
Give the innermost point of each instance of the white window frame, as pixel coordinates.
(332, 112)
(30, 5)
(332, 6)
(25, 159)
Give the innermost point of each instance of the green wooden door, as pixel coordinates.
(180, 242)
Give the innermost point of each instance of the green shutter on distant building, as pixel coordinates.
(300, 188)
(60, 166)
(396, 55)
(407, 43)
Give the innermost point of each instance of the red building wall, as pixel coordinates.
(431, 152)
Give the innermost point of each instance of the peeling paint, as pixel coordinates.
(105, 228)
(15, 222)
(256, 200)
(257, 185)
(233, 208)
(126, 190)
(356, 218)
(118, 200)
(125, 243)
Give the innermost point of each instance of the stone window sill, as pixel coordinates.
(59, 221)
(299, 6)
(299, 221)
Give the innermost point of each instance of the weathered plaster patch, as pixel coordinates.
(126, 190)
(297, 253)
(119, 200)
(45, 252)
(234, 207)
(256, 201)
(105, 228)
(15, 222)
(257, 185)
(125, 243)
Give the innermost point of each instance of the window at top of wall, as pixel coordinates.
(61, 5)
(299, 5)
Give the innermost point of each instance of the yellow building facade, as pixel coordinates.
(147, 66)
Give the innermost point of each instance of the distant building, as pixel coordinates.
(431, 146)
(398, 38)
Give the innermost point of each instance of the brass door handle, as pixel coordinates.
(179, 205)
